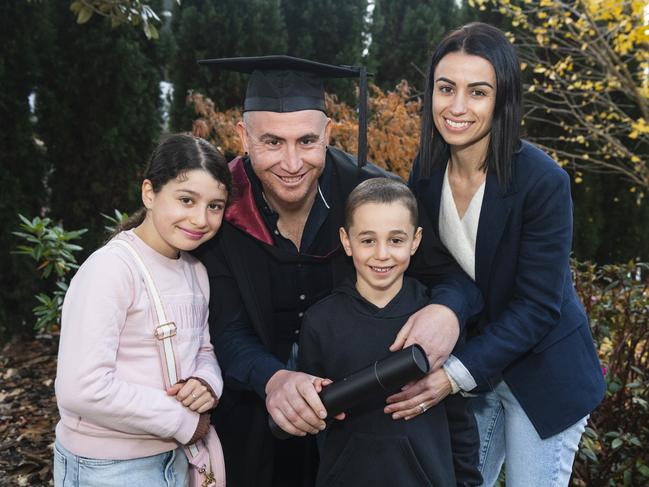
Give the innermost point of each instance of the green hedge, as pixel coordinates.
(614, 449)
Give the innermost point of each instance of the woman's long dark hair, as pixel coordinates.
(176, 154)
(488, 42)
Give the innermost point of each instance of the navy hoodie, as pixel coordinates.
(342, 334)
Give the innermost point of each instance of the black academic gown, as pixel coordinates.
(238, 263)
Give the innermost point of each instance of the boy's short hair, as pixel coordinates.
(382, 191)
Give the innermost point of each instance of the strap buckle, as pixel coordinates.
(166, 330)
(208, 475)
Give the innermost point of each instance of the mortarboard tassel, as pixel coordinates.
(362, 118)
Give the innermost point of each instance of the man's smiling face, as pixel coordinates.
(287, 152)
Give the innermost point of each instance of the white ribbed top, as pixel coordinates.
(459, 234)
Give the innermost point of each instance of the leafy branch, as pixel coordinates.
(131, 12)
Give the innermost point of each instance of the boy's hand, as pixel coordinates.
(434, 327)
(292, 401)
(417, 397)
(194, 395)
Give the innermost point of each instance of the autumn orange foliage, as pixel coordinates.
(217, 127)
(392, 133)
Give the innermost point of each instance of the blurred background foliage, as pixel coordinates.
(89, 85)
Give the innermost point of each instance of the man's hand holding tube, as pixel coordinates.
(292, 401)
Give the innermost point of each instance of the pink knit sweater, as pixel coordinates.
(109, 383)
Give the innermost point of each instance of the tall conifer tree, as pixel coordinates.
(404, 34)
(22, 163)
(209, 29)
(329, 31)
(609, 225)
(98, 116)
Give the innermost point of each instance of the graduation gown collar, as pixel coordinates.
(242, 211)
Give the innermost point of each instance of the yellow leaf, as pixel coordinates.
(76, 6)
(84, 15)
(641, 126)
(150, 31)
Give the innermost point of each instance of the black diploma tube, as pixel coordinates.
(384, 376)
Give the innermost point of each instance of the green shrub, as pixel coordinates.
(49, 245)
(112, 222)
(613, 450)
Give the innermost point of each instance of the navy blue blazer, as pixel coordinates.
(534, 332)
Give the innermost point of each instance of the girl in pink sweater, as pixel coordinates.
(119, 426)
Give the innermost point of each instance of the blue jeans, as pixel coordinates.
(506, 434)
(167, 469)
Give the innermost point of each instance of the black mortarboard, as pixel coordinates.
(288, 84)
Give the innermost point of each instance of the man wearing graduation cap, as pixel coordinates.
(277, 253)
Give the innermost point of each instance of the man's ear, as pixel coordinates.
(148, 195)
(416, 240)
(344, 240)
(327, 132)
(243, 135)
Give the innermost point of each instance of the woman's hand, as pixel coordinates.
(193, 395)
(417, 397)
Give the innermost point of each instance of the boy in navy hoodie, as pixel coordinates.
(353, 327)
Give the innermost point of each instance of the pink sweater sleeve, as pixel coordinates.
(207, 367)
(94, 313)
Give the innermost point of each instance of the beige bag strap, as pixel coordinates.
(164, 331)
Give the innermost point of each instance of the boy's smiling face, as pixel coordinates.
(381, 240)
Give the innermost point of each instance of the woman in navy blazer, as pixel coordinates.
(503, 209)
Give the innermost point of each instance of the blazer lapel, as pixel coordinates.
(433, 195)
(496, 206)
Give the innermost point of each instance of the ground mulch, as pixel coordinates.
(28, 412)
